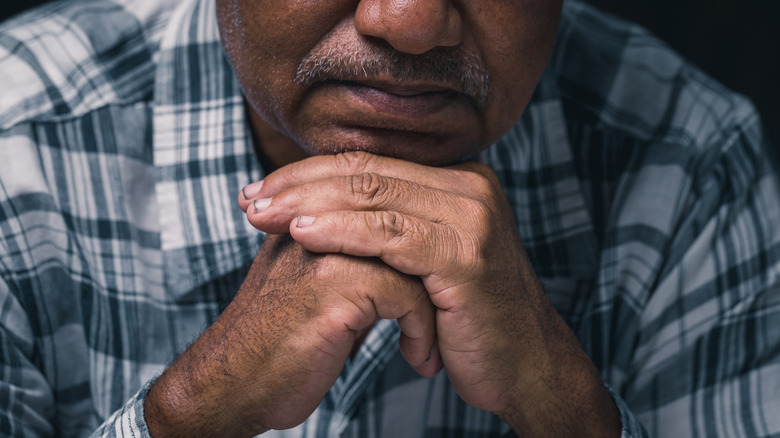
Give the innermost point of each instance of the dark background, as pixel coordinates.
(736, 42)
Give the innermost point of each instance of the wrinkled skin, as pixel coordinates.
(509, 41)
(370, 111)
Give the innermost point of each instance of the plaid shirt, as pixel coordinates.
(644, 193)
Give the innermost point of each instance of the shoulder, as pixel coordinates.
(68, 58)
(619, 78)
(658, 147)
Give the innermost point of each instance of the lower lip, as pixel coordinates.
(414, 106)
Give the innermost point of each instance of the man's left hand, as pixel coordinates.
(504, 347)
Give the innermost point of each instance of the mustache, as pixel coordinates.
(455, 66)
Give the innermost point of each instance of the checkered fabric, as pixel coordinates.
(645, 193)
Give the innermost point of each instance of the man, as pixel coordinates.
(610, 268)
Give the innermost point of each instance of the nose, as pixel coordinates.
(411, 26)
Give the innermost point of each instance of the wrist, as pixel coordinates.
(565, 398)
(202, 394)
(559, 391)
(178, 406)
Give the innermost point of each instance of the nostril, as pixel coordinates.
(410, 26)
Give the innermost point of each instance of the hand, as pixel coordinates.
(269, 359)
(504, 347)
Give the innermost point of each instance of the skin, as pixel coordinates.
(374, 182)
(510, 40)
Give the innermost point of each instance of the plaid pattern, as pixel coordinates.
(644, 192)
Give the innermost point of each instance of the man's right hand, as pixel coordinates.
(270, 358)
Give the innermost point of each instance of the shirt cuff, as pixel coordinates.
(632, 428)
(129, 420)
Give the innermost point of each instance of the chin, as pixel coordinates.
(419, 148)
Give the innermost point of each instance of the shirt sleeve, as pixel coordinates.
(632, 428)
(26, 399)
(129, 421)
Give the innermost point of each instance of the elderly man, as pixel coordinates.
(454, 218)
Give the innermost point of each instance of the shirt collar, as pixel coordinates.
(537, 167)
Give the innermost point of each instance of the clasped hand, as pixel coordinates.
(354, 238)
(450, 227)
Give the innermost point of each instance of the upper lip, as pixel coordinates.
(407, 88)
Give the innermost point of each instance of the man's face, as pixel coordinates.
(432, 81)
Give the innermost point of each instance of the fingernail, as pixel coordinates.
(304, 221)
(261, 204)
(249, 191)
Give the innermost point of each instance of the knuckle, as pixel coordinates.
(286, 177)
(482, 183)
(400, 231)
(487, 194)
(392, 225)
(481, 178)
(478, 210)
(368, 187)
(484, 170)
(355, 161)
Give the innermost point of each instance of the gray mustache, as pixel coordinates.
(442, 65)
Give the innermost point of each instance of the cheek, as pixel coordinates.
(520, 40)
(265, 41)
(516, 40)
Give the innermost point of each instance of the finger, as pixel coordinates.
(248, 193)
(430, 366)
(362, 192)
(405, 243)
(353, 163)
(404, 298)
(418, 337)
